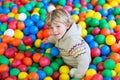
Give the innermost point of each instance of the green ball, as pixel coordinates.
(48, 70)
(83, 10)
(101, 2)
(32, 69)
(89, 30)
(6, 5)
(116, 11)
(48, 56)
(43, 11)
(100, 38)
(94, 22)
(43, 17)
(59, 61)
(14, 72)
(77, 5)
(54, 66)
(35, 65)
(88, 1)
(11, 4)
(106, 73)
(118, 21)
(87, 21)
(32, 3)
(4, 60)
(105, 25)
(62, 2)
(22, 10)
(39, 5)
(3, 27)
(22, 47)
(109, 64)
(74, 79)
(97, 60)
(102, 21)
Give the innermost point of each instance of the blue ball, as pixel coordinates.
(42, 45)
(92, 66)
(107, 78)
(35, 18)
(49, 45)
(54, 51)
(90, 6)
(103, 12)
(29, 22)
(33, 37)
(54, 1)
(41, 74)
(89, 38)
(6, 10)
(40, 24)
(34, 29)
(110, 17)
(1, 10)
(105, 50)
(10, 18)
(28, 7)
(26, 31)
(77, 12)
(93, 44)
(110, 11)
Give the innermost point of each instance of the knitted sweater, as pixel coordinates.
(74, 50)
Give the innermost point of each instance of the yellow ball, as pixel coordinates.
(84, 32)
(64, 69)
(112, 24)
(118, 74)
(48, 78)
(75, 17)
(118, 1)
(16, 16)
(36, 10)
(37, 43)
(101, 45)
(97, 15)
(113, 73)
(22, 75)
(114, 3)
(82, 24)
(106, 6)
(37, 13)
(90, 72)
(11, 14)
(117, 67)
(110, 40)
(11, 60)
(64, 77)
(47, 50)
(90, 13)
(18, 34)
(28, 47)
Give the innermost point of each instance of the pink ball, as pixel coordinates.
(69, 3)
(14, 77)
(22, 68)
(55, 75)
(68, 8)
(3, 18)
(12, 24)
(116, 78)
(97, 77)
(16, 63)
(4, 75)
(97, 8)
(95, 52)
(100, 66)
(96, 31)
(28, 54)
(10, 53)
(27, 40)
(44, 61)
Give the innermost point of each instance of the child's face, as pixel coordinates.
(58, 29)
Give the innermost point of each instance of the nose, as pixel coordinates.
(54, 30)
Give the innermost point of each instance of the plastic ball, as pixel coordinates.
(27, 61)
(16, 63)
(20, 25)
(64, 69)
(105, 31)
(97, 15)
(68, 8)
(48, 70)
(115, 48)
(97, 60)
(35, 18)
(29, 22)
(95, 52)
(56, 75)
(90, 72)
(109, 64)
(54, 66)
(40, 24)
(105, 50)
(103, 12)
(59, 61)
(36, 57)
(4, 68)
(75, 17)
(27, 40)
(14, 72)
(3, 27)
(100, 38)
(116, 78)
(110, 39)
(96, 31)
(112, 24)
(89, 38)
(37, 43)
(84, 32)
(48, 78)
(117, 36)
(22, 16)
(3, 17)
(82, 24)
(44, 61)
(51, 8)
(33, 29)
(41, 74)
(22, 68)
(100, 66)
(97, 76)
(54, 51)
(18, 34)
(33, 75)
(10, 53)
(46, 33)
(107, 73)
(64, 77)
(22, 75)
(117, 69)
(72, 71)
(93, 44)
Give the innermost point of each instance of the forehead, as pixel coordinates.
(55, 22)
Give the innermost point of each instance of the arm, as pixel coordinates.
(50, 39)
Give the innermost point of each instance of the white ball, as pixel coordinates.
(51, 8)
(22, 16)
(72, 71)
(9, 32)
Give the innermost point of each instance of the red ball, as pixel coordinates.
(4, 75)
(116, 78)
(96, 31)
(27, 40)
(44, 61)
(22, 68)
(95, 52)
(3, 18)
(100, 66)
(97, 8)
(28, 54)
(16, 63)
(117, 36)
(55, 75)
(10, 53)
(14, 77)
(97, 77)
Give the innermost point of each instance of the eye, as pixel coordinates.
(57, 26)
(50, 27)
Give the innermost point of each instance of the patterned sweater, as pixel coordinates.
(74, 50)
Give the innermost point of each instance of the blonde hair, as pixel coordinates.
(59, 15)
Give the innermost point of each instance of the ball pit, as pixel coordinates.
(23, 56)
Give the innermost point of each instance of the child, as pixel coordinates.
(66, 34)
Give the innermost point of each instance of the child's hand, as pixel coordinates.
(45, 40)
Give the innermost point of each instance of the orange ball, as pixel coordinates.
(2, 50)
(87, 77)
(115, 57)
(4, 68)
(94, 2)
(117, 29)
(24, 1)
(33, 75)
(19, 55)
(20, 25)
(40, 34)
(115, 47)
(8, 78)
(15, 10)
(105, 31)
(16, 42)
(27, 61)
(46, 33)
(6, 39)
(36, 57)
(4, 45)
(82, 16)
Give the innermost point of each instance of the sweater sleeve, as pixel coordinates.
(51, 39)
